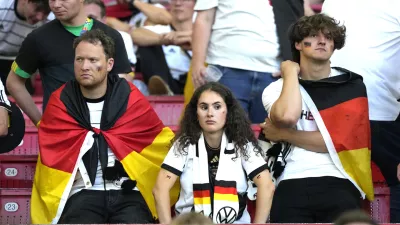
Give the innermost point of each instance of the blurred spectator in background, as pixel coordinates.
(355, 217)
(96, 9)
(168, 47)
(137, 12)
(191, 218)
(48, 49)
(373, 51)
(148, 12)
(17, 19)
(239, 39)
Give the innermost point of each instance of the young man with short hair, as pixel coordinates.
(322, 112)
(101, 145)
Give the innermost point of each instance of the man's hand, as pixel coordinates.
(398, 172)
(168, 38)
(272, 132)
(289, 68)
(3, 122)
(198, 75)
(183, 37)
(180, 38)
(117, 24)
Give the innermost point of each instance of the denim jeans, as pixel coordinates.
(247, 86)
(99, 207)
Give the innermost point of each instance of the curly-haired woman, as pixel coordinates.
(214, 154)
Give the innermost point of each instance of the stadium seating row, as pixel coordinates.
(15, 206)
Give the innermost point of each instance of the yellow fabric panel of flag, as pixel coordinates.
(49, 185)
(357, 163)
(145, 166)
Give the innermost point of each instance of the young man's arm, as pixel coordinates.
(153, 13)
(22, 68)
(201, 37)
(309, 140)
(285, 112)
(17, 89)
(144, 37)
(4, 109)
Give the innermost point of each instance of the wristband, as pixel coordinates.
(38, 123)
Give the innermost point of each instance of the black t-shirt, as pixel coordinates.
(213, 161)
(50, 49)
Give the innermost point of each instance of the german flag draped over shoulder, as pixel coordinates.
(130, 128)
(339, 106)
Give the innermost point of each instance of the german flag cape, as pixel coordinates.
(129, 126)
(340, 108)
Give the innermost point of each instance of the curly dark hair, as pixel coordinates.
(237, 126)
(94, 37)
(309, 25)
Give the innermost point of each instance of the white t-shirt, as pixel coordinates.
(243, 35)
(372, 50)
(95, 110)
(177, 60)
(184, 164)
(129, 46)
(302, 163)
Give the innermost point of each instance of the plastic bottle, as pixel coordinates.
(213, 74)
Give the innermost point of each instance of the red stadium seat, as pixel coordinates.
(15, 203)
(168, 108)
(379, 209)
(38, 85)
(16, 174)
(27, 150)
(15, 206)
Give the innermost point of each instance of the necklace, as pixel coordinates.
(211, 148)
